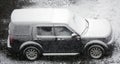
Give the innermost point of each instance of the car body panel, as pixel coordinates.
(57, 44)
(98, 28)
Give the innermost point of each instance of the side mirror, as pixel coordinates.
(74, 35)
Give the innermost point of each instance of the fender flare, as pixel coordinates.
(96, 42)
(29, 43)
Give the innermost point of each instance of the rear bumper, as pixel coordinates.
(12, 51)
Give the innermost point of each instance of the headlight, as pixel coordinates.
(109, 39)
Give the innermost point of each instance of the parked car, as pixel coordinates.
(57, 31)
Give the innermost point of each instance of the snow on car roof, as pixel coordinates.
(41, 15)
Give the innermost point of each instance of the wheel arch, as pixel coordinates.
(98, 42)
(29, 43)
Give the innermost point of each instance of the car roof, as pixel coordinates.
(41, 15)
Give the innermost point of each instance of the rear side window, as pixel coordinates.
(45, 31)
(62, 31)
(21, 30)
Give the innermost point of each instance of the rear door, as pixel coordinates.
(45, 36)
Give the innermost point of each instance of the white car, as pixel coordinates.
(56, 31)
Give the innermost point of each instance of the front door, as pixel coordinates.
(66, 43)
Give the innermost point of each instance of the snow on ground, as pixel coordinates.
(97, 9)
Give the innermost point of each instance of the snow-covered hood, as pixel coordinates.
(97, 28)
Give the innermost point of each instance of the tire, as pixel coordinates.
(95, 51)
(31, 53)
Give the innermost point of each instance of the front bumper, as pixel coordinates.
(110, 45)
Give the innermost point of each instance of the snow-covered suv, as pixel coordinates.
(56, 31)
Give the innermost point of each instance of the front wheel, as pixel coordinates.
(31, 53)
(95, 51)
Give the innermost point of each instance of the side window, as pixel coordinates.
(45, 31)
(62, 31)
(22, 30)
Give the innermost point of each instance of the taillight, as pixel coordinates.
(11, 40)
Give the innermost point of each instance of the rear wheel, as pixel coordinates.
(95, 51)
(31, 53)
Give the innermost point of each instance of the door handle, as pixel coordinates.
(38, 38)
(60, 39)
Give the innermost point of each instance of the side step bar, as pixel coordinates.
(59, 54)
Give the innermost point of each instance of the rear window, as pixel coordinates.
(22, 30)
(45, 31)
